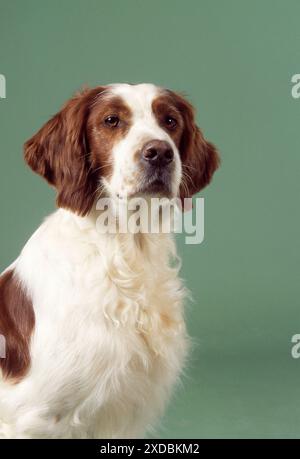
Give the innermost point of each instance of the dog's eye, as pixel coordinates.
(170, 122)
(112, 121)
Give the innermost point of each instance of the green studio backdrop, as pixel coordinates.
(234, 59)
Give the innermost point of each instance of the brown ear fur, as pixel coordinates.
(200, 158)
(59, 152)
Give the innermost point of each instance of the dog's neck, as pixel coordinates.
(154, 248)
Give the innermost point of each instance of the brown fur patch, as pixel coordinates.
(103, 138)
(16, 325)
(163, 107)
(199, 157)
(72, 150)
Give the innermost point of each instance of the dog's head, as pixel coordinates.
(122, 141)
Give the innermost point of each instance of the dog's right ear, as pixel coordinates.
(60, 153)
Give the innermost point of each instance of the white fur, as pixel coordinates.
(109, 339)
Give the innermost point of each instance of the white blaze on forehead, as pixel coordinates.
(138, 97)
(144, 125)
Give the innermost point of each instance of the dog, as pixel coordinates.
(93, 322)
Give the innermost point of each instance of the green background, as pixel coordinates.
(235, 60)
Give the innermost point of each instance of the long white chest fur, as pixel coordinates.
(109, 338)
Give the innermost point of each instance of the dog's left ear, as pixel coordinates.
(60, 153)
(199, 157)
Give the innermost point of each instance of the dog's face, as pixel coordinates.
(122, 141)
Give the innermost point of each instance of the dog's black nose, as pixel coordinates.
(158, 153)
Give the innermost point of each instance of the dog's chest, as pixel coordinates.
(134, 301)
(133, 312)
(131, 343)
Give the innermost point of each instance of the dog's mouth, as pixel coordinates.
(159, 183)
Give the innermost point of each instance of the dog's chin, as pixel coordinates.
(155, 187)
(157, 184)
